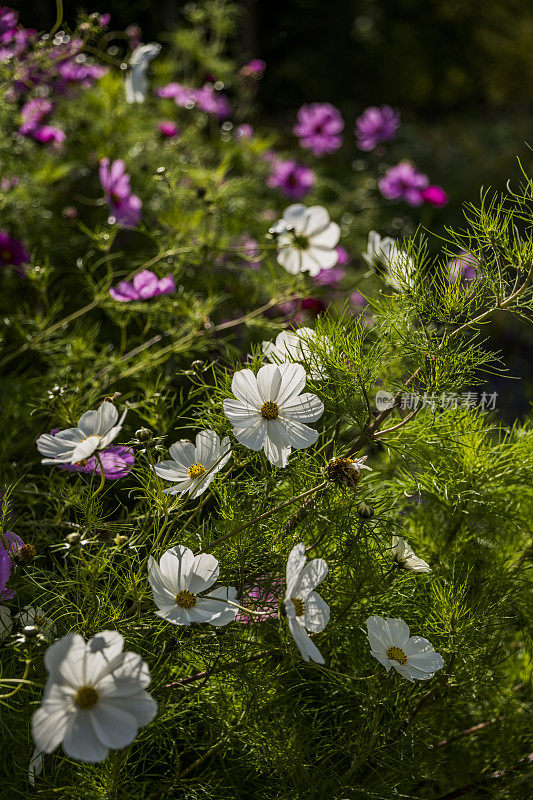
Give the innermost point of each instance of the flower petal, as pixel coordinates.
(204, 573)
(241, 414)
(171, 471)
(295, 564)
(50, 721)
(316, 613)
(298, 435)
(268, 382)
(80, 740)
(311, 576)
(252, 436)
(292, 382)
(176, 566)
(183, 453)
(308, 649)
(303, 408)
(207, 448)
(244, 387)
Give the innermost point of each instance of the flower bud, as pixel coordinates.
(365, 511)
(143, 434)
(24, 554)
(73, 538)
(120, 540)
(30, 631)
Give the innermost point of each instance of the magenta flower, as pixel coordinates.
(213, 102)
(168, 129)
(319, 127)
(47, 134)
(330, 277)
(435, 196)
(9, 544)
(357, 300)
(33, 113)
(293, 179)
(376, 125)
(343, 256)
(125, 206)
(254, 69)
(117, 462)
(300, 310)
(72, 75)
(12, 252)
(182, 95)
(144, 286)
(244, 131)
(403, 182)
(463, 268)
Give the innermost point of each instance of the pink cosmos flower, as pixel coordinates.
(33, 113)
(404, 182)
(9, 544)
(343, 256)
(182, 95)
(376, 125)
(330, 277)
(168, 129)
(244, 131)
(117, 462)
(12, 253)
(463, 268)
(435, 196)
(145, 285)
(125, 206)
(212, 102)
(293, 179)
(357, 300)
(73, 74)
(254, 69)
(47, 134)
(319, 127)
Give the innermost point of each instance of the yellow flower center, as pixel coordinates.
(185, 599)
(86, 697)
(396, 654)
(270, 410)
(299, 606)
(196, 471)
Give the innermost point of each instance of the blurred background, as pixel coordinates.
(459, 71)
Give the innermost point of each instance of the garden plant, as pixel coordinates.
(262, 532)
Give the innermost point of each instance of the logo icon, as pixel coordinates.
(384, 400)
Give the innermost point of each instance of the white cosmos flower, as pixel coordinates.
(270, 412)
(194, 468)
(6, 622)
(177, 582)
(400, 267)
(306, 610)
(294, 346)
(36, 617)
(307, 240)
(405, 557)
(94, 699)
(412, 656)
(136, 80)
(96, 430)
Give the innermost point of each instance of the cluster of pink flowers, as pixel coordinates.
(60, 68)
(207, 98)
(125, 206)
(404, 182)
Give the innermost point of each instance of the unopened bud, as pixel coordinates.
(143, 434)
(365, 511)
(30, 631)
(73, 538)
(120, 540)
(24, 554)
